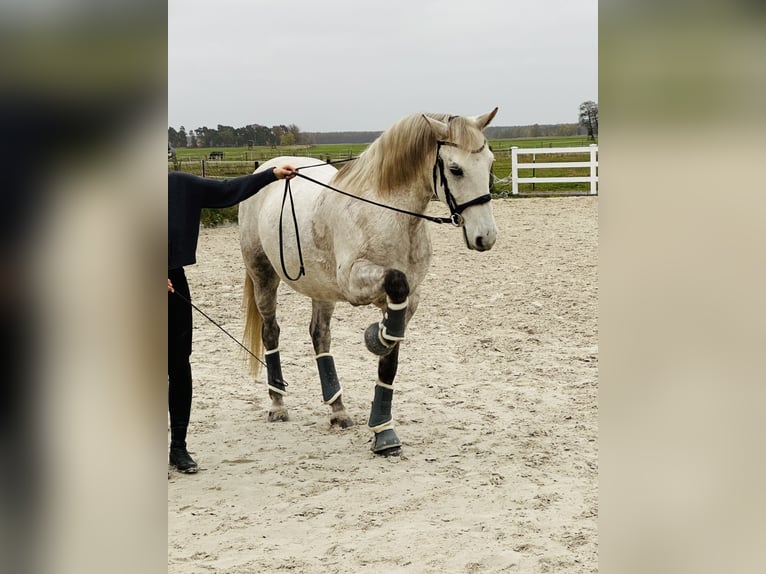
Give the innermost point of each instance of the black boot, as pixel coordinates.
(179, 458)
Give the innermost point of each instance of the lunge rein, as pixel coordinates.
(214, 322)
(456, 209)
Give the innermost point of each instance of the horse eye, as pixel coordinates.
(456, 169)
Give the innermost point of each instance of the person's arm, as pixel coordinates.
(230, 192)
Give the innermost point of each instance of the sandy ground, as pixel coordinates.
(495, 403)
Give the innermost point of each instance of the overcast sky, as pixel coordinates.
(355, 65)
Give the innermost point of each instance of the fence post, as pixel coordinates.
(203, 168)
(593, 150)
(514, 170)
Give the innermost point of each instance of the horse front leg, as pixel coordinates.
(381, 338)
(385, 441)
(369, 282)
(321, 314)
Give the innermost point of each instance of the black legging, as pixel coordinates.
(179, 350)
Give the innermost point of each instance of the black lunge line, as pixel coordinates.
(219, 326)
(391, 207)
(302, 270)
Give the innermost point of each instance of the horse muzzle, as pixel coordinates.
(479, 242)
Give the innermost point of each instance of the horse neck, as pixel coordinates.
(414, 196)
(396, 169)
(410, 190)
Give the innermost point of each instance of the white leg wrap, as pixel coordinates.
(335, 396)
(384, 426)
(276, 390)
(398, 306)
(387, 339)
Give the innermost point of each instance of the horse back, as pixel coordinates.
(263, 215)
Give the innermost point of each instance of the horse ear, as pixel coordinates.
(483, 121)
(440, 129)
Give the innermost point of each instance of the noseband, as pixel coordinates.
(456, 209)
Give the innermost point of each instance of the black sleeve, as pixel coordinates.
(231, 191)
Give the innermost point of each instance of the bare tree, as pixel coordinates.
(589, 118)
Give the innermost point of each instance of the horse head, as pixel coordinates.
(462, 175)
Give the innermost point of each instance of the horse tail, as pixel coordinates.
(253, 324)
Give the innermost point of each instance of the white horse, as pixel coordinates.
(356, 251)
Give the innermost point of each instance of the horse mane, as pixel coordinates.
(404, 154)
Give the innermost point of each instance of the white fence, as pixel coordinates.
(592, 149)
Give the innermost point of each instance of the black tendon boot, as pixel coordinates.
(331, 389)
(380, 338)
(274, 372)
(381, 422)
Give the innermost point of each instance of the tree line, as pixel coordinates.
(229, 136)
(533, 131)
(257, 135)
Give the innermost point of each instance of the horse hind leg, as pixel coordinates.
(265, 284)
(277, 386)
(380, 338)
(328, 377)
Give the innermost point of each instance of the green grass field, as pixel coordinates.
(263, 153)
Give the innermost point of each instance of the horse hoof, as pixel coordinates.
(341, 422)
(393, 451)
(278, 415)
(373, 343)
(386, 443)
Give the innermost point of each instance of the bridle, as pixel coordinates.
(456, 209)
